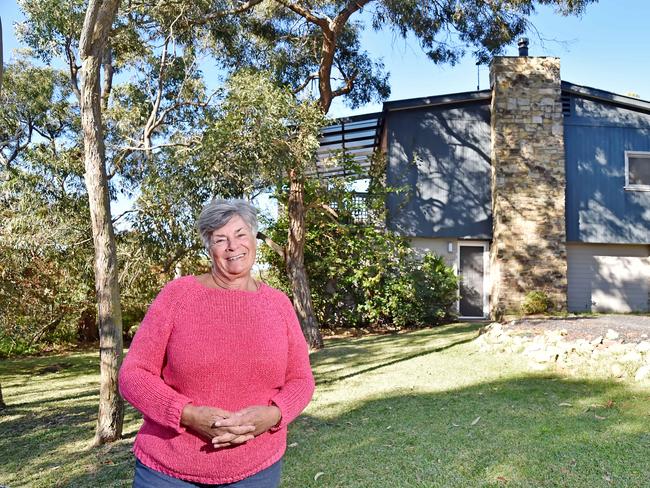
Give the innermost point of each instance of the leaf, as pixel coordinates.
(599, 417)
(293, 444)
(455, 425)
(318, 475)
(565, 404)
(475, 421)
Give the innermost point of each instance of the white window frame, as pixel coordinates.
(628, 186)
(486, 275)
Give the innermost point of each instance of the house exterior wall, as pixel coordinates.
(598, 208)
(608, 277)
(439, 246)
(528, 251)
(440, 156)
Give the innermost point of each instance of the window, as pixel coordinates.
(637, 170)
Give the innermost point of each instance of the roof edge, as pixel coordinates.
(606, 96)
(447, 99)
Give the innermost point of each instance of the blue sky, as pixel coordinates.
(607, 48)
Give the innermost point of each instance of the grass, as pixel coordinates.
(421, 409)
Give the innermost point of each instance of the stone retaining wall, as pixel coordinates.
(552, 348)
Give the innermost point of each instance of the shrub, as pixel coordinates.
(536, 302)
(361, 274)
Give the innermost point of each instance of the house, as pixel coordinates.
(536, 184)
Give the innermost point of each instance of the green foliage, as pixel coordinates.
(361, 274)
(536, 302)
(45, 244)
(259, 132)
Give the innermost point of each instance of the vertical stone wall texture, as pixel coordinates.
(528, 251)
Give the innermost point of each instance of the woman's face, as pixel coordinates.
(232, 248)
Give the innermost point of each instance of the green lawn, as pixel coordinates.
(421, 409)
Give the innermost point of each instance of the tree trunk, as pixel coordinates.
(97, 24)
(2, 402)
(295, 262)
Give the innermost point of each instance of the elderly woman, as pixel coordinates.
(218, 368)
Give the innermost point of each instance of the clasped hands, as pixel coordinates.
(225, 428)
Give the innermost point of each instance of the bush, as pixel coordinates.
(362, 275)
(536, 302)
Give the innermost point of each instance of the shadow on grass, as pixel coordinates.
(533, 431)
(345, 358)
(391, 362)
(525, 432)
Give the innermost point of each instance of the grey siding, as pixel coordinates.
(598, 208)
(440, 158)
(608, 278)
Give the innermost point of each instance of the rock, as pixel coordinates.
(583, 346)
(642, 373)
(631, 357)
(643, 347)
(612, 334)
(536, 366)
(541, 357)
(618, 348)
(532, 348)
(617, 370)
(554, 336)
(596, 341)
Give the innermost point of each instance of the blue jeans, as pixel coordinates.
(145, 477)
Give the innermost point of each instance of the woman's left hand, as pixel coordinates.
(262, 417)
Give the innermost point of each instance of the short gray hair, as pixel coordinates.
(218, 213)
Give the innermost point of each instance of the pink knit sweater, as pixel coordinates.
(224, 348)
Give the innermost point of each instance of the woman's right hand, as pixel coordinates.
(201, 420)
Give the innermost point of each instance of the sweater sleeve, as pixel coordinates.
(140, 378)
(299, 384)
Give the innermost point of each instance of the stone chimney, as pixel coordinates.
(528, 251)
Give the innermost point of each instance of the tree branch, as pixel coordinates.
(303, 85)
(349, 85)
(72, 66)
(90, 22)
(224, 13)
(343, 16)
(107, 63)
(322, 22)
(272, 244)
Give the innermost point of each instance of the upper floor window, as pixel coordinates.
(637, 170)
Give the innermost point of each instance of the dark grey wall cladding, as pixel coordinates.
(440, 157)
(598, 208)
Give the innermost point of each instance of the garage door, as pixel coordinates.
(608, 278)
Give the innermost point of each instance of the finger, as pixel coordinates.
(235, 429)
(220, 445)
(233, 421)
(226, 437)
(242, 438)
